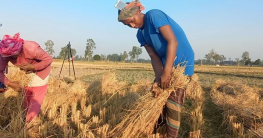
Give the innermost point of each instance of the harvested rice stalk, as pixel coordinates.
(15, 74)
(146, 111)
(258, 132)
(110, 84)
(242, 107)
(194, 89)
(243, 99)
(195, 93)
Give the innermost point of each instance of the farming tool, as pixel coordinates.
(68, 54)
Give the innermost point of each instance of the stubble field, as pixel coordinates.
(230, 103)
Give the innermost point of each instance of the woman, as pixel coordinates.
(31, 58)
(167, 46)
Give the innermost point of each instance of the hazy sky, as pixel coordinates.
(230, 27)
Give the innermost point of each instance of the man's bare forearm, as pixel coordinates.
(157, 67)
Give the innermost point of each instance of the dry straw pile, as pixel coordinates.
(102, 108)
(242, 105)
(143, 115)
(195, 95)
(11, 107)
(69, 109)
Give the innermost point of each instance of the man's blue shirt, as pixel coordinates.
(149, 34)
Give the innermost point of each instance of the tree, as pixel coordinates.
(257, 62)
(96, 57)
(248, 62)
(245, 57)
(89, 48)
(49, 47)
(216, 57)
(113, 57)
(134, 54)
(64, 50)
(210, 55)
(124, 56)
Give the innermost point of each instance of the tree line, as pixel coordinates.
(90, 56)
(213, 58)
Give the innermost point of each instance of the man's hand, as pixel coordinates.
(165, 80)
(28, 68)
(15, 86)
(155, 89)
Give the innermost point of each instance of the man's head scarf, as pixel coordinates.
(130, 10)
(10, 46)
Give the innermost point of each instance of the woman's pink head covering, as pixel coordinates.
(10, 46)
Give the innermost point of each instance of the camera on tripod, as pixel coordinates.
(68, 55)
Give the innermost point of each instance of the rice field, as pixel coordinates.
(105, 95)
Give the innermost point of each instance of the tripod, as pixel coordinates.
(68, 54)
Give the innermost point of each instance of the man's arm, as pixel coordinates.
(156, 62)
(172, 44)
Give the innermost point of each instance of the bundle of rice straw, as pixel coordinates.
(147, 109)
(15, 74)
(195, 94)
(110, 84)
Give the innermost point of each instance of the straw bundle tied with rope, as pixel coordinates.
(144, 114)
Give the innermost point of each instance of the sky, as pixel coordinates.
(230, 27)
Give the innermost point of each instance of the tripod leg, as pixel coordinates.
(69, 54)
(72, 65)
(63, 62)
(69, 67)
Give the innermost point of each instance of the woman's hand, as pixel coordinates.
(28, 68)
(15, 86)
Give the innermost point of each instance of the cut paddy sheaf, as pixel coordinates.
(243, 107)
(141, 119)
(69, 109)
(194, 110)
(11, 107)
(95, 109)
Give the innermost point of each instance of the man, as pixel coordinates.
(167, 46)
